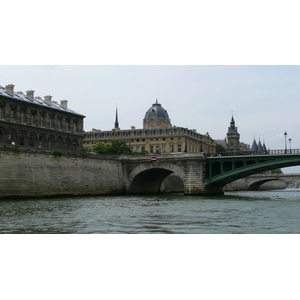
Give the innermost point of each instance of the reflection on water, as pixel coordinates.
(235, 212)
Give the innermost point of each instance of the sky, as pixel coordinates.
(263, 99)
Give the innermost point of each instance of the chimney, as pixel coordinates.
(10, 88)
(64, 103)
(48, 99)
(30, 94)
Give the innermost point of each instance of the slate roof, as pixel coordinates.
(157, 111)
(36, 100)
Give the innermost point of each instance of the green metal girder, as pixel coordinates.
(270, 162)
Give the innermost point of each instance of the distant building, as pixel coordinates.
(233, 145)
(157, 135)
(232, 141)
(30, 121)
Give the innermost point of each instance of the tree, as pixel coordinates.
(117, 147)
(276, 171)
(101, 148)
(221, 149)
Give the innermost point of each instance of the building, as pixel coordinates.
(30, 121)
(157, 135)
(233, 145)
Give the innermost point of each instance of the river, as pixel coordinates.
(239, 212)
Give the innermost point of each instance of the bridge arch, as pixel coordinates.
(255, 185)
(145, 180)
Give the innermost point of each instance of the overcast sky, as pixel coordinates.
(264, 100)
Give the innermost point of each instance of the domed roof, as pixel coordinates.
(157, 111)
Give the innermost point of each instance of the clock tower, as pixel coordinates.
(233, 138)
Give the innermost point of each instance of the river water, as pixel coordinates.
(248, 212)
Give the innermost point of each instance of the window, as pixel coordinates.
(32, 119)
(179, 148)
(1, 112)
(157, 149)
(42, 121)
(164, 149)
(67, 126)
(51, 122)
(12, 115)
(59, 124)
(151, 149)
(137, 148)
(22, 117)
(171, 148)
(75, 127)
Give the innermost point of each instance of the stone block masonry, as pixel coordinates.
(38, 175)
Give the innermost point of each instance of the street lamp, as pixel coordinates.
(285, 134)
(290, 140)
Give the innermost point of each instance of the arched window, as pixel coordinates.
(42, 141)
(68, 144)
(22, 138)
(59, 143)
(31, 140)
(50, 142)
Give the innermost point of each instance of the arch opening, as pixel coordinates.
(148, 181)
(258, 184)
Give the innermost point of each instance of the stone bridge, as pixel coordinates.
(145, 174)
(200, 175)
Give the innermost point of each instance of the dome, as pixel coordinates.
(157, 111)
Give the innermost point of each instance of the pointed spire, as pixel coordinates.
(232, 123)
(259, 147)
(117, 121)
(254, 146)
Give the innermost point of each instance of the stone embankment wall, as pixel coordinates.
(43, 174)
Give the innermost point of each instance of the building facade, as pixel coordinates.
(157, 135)
(30, 121)
(234, 146)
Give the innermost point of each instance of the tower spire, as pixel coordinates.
(117, 121)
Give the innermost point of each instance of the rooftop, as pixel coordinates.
(37, 100)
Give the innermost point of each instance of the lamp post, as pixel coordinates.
(285, 135)
(290, 141)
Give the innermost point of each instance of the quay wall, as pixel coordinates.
(43, 174)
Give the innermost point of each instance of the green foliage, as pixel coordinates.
(276, 171)
(220, 149)
(144, 152)
(58, 153)
(18, 149)
(116, 147)
(119, 147)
